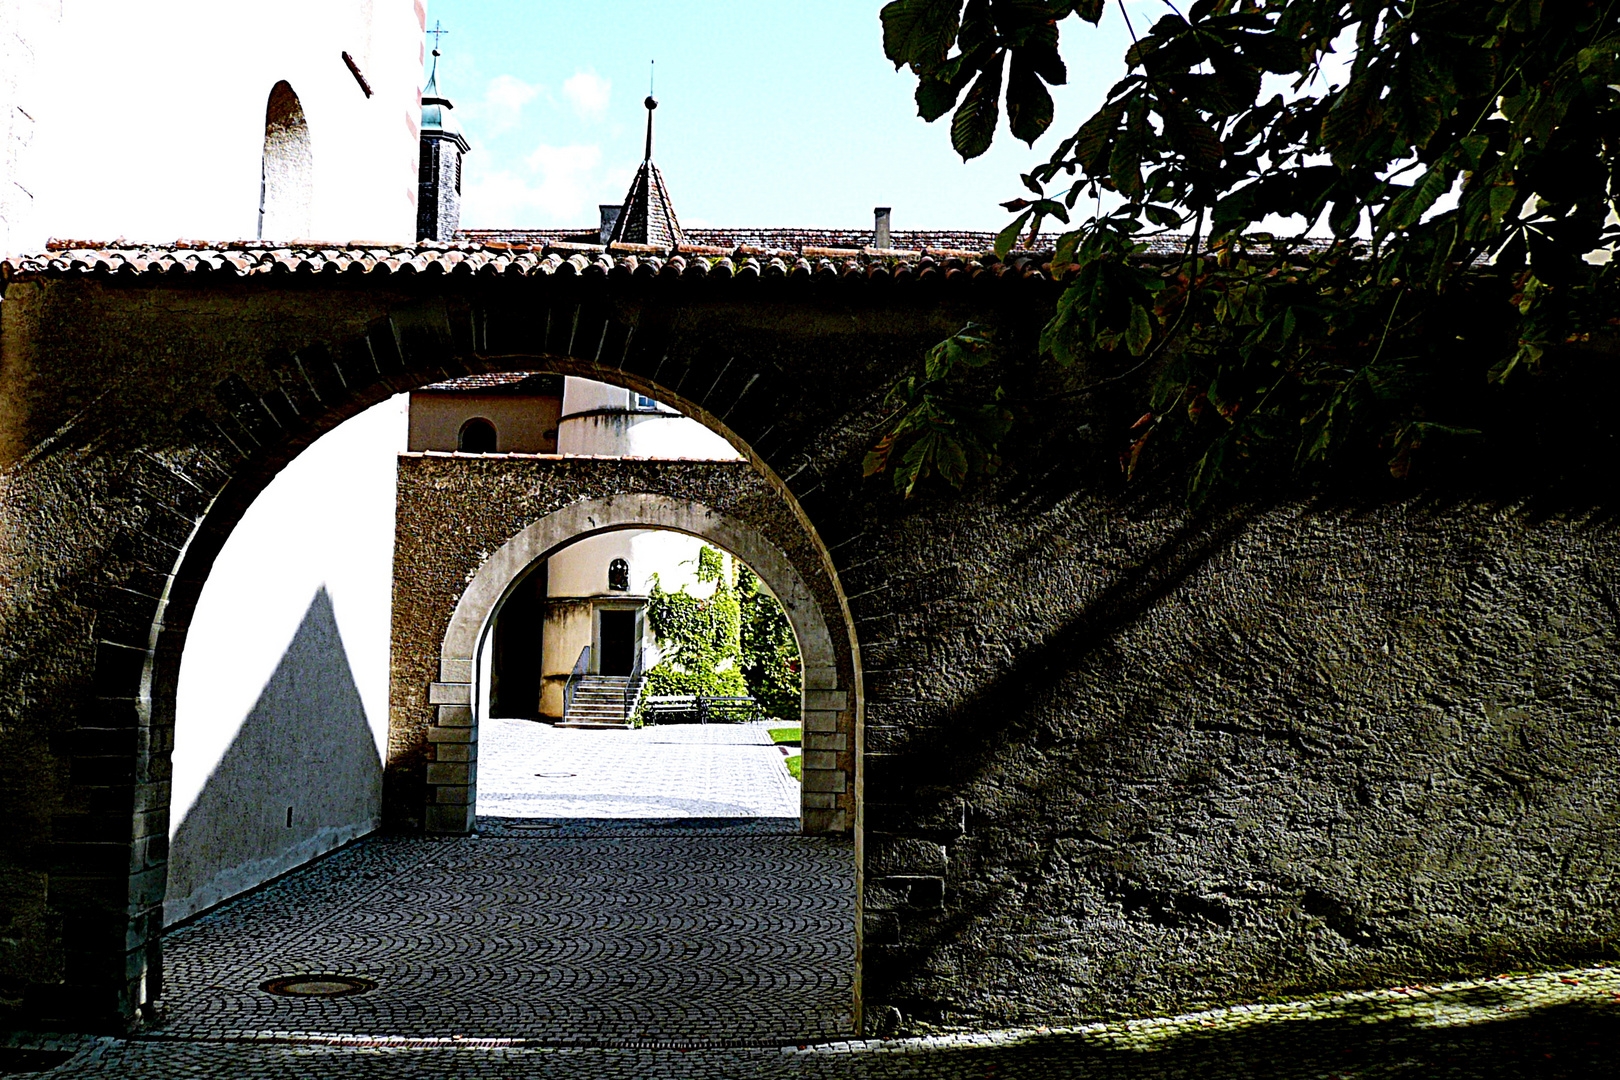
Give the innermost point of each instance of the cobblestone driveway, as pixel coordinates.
(528, 769)
(589, 934)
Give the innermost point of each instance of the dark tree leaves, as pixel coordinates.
(919, 32)
(974, 124)
(1458, 142)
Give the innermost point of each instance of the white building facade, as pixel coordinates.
(597, 589)
(254, 120)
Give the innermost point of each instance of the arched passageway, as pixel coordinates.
(452, 782)
(211, 410)
(419, 939)
(1108, 755)
(208, 410)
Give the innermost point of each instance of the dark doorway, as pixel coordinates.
(517, 638)
(618, 641)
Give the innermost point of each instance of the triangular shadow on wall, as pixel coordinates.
(301, 777)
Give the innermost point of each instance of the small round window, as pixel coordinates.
(477, 437)
(619, 575)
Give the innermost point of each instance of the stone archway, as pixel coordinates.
(451, 780)
(1083, 708)
(176, 395)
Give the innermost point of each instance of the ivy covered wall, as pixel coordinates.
(727, 640)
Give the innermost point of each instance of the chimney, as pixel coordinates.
(880, 228)
(610, 218)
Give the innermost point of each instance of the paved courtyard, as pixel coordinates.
(528, 769)
(637, 923)
(612, 934)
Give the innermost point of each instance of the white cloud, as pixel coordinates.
(562, 188)
(588, 92)
(501, 107)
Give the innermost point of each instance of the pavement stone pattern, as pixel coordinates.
(1561, 1025)
(643, 931)
(531, 769)
(663, 938)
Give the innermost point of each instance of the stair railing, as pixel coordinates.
(638, 678)
(581, 666)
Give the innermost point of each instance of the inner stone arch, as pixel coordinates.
(451, 779)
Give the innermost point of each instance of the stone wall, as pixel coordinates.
(454, 512)
(1163, 762)
(1114, 758)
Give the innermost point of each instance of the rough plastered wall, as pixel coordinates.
(453, 512)
(1157, 762)
(281, 712)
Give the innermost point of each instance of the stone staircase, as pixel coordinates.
(598, 702)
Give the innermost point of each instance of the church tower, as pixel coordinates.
(438, 200)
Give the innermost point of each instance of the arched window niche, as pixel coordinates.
(477, 436)
(287, 175)
(619, 576)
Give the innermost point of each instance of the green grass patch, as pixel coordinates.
(785, 736)
(795, 765)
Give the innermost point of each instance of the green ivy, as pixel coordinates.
(700, 637)
(770, 662)
(734, 642)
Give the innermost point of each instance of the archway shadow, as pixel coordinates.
(301, 777)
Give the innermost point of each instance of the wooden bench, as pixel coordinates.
(691, 709)
(669, 709)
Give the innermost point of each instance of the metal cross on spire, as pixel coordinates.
(437, 33)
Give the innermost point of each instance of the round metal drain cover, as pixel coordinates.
(317, 986)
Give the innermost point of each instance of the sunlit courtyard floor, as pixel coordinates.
(533, 770)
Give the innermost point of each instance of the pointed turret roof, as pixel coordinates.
(436, 119)
(648, 216)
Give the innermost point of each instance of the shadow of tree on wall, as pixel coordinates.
(1094, 799)
(301, 777)
(1574, 1040)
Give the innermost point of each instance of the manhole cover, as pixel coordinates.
(555, 775)
(317, 986)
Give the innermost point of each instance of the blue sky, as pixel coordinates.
(771, 113)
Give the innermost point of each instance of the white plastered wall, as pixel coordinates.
(597, 418)
(579, 573)
(282, 706)
(146, 121)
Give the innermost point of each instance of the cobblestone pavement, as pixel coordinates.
(1553, 1025)
(530, 769)
(578, 935)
